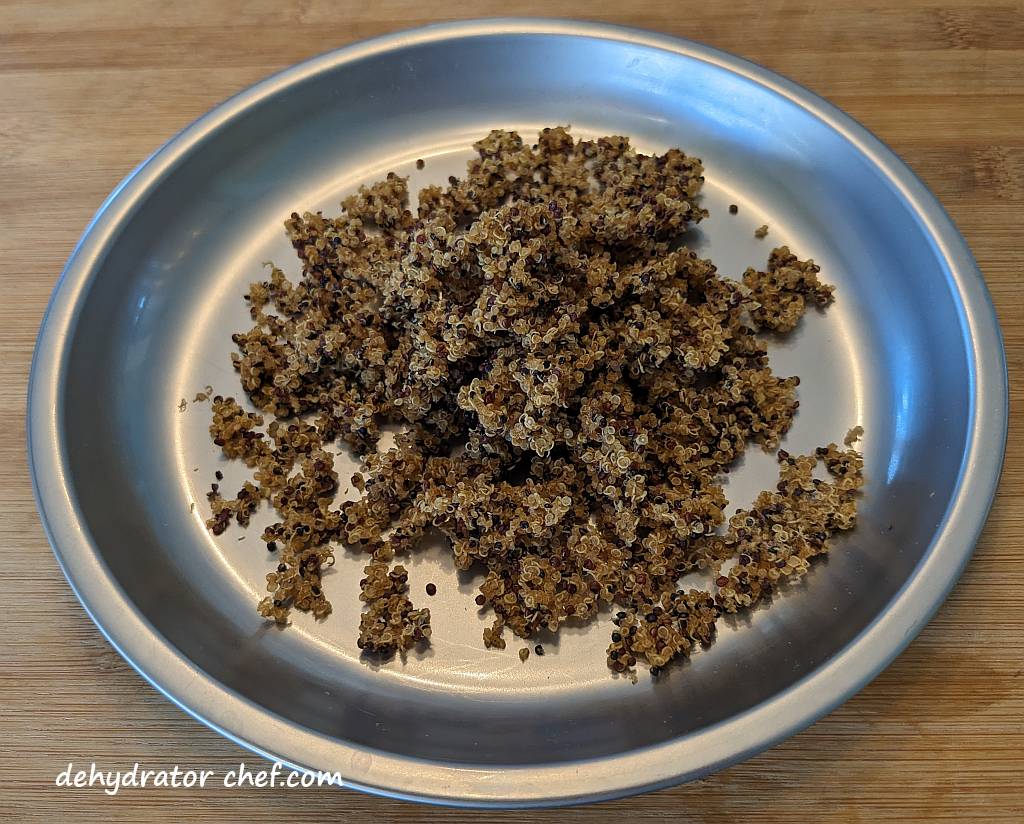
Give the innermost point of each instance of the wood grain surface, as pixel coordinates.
(88, 90)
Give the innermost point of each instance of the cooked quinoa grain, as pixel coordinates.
(571, 383)
(389, 624)
(783, 290)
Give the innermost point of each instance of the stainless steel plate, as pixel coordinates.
(142, 317)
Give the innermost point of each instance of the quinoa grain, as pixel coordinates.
(571, 384)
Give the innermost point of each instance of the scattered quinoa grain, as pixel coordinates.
(570, 384)
(782, 291)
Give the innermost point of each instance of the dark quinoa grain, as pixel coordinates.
(570, 384)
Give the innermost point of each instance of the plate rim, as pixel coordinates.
(649, 768)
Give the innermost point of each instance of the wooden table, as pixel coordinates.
(87, 90)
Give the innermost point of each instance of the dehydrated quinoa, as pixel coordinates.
(389, 624)
(853, 436)
(572, 383)
(783, 290)
(776, 538)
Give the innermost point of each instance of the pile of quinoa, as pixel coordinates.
(571, 383)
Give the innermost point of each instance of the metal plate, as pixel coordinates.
(142, 316)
